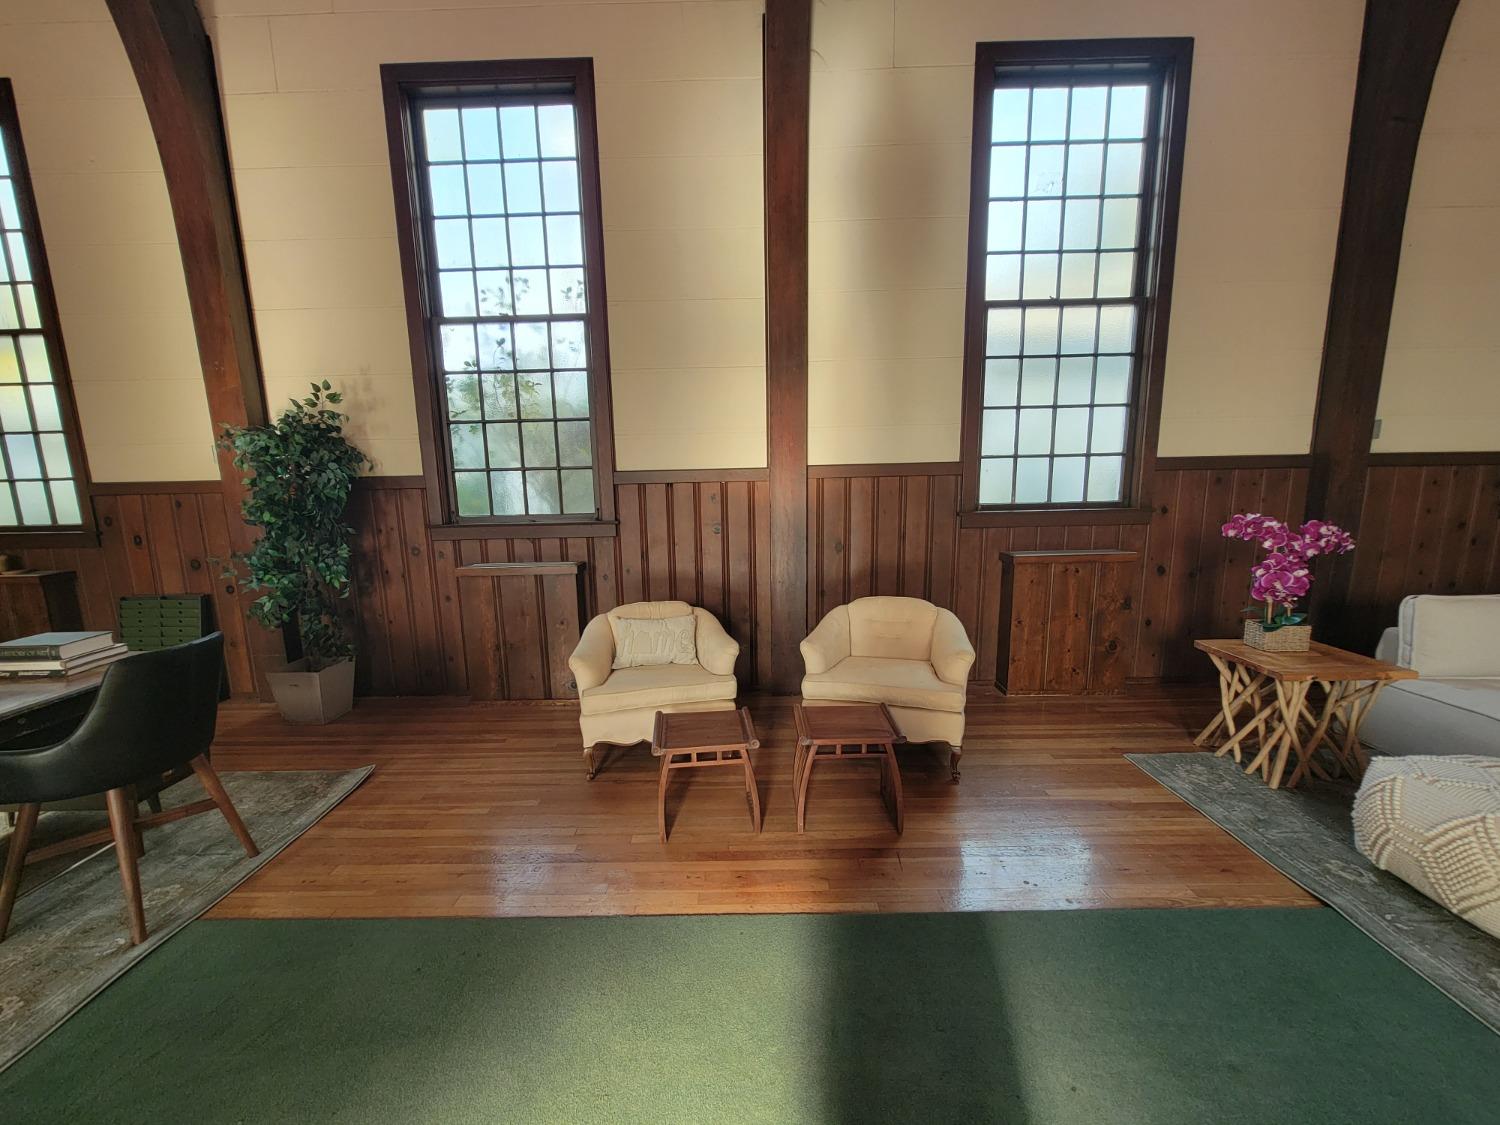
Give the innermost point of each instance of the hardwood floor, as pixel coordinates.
(483, 809)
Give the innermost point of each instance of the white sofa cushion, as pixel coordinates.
(658, 686)
(643, 642)
(1450, 637)
(892, 628)
(1460, 716)
(874, 679)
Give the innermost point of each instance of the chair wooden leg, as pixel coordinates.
(588, 762)
(20, 840)
(210, 781)
(954, 754)
(135, 829)
(122, 825)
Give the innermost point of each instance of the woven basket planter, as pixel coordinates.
(1289, 638)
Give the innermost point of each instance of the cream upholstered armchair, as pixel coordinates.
(903, 652)
(618, 703)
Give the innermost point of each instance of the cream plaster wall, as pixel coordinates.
(1441, 386)
(679, 107)
(892, 115)
(110, 241)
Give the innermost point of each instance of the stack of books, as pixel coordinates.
(58, 654)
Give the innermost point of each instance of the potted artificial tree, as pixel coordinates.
(299, 471)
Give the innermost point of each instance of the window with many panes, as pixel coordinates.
(40, 478)
(1074, 171)
(504, 204)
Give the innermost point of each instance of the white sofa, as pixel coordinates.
(618, 706)
(1454, 642)
(903, 652)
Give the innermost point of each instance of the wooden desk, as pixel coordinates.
(32, 707)
(1288, 725)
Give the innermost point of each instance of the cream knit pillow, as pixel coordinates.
(642, 642)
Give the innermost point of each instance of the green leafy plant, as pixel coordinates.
(299, 472)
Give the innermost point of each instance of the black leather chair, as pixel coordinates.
(155, 712)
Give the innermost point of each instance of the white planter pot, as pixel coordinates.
(313, 697)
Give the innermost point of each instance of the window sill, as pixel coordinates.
(584, 529)
(1053, 517)
(16, 539)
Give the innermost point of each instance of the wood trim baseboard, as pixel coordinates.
(688, 476)
(1236, 461)
(887, 469)
(1394, 460)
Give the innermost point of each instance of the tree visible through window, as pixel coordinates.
(39, 477)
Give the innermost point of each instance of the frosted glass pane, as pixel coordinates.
(1001, 377)
(1127, 112)
(486, 192)
(481, 137)
(1002, 277)
(538, 443)
(10, 215)
(574, 444)
(527, 245)
(1075, 376)
(1109, 430)
(1119, 228)
(20, 260)
(7, 507)
(578, 490)
(1043, 225)
(1122, 170)
(1113, 381)
(1004, 229)
(567, 290)
(1072, 434)
(1003, 332)
(451, 237)
(31, 317)
(1008, 115)
(496, 353)
(542, 497)
(499, 396)
(997, 435)
(531, 292)
(13, 415)
(560, 185)
(1044, 176)
(1116, 328)
(458, 348)
(1041, 331)
(34, 359)
(564, 240)
(1038, 382)
(1007, 172)
(1039, 277)
(473, 495)
(9, 317)
(32, 495)
(65, 501)
(1067, 480)
(467, 443)
(24, 460)
(1087, 115)
(1081, 224)
(457, 289)
(571, 390)
(1031, 480)
(490, 246)
(1104, 479)
(507, 494)
(1034, 432)
(447, 184)
(4, 269)
(523, 187)
(559, 134)
(531, 347)
(518, 128)
(994, 481)
(441, 128)
(567, 343)
(505, 445)
(44, 406)
(496, 296)
(1116, 274)
(10, 362)
(535, 392)
(1085, 167)
(1049, 114)
(1078, 324)
(463, 398)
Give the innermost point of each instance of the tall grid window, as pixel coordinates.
(1063, 276)
(39, 478)
(505, 207)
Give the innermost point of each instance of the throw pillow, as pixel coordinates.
(642, 642)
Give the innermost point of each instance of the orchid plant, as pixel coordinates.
(1284, 576)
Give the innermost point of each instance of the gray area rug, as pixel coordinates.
(68, 937)
(1306, 834)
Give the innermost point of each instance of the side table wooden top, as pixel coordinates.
(1320, 662)
(703, 730)
(867, 724)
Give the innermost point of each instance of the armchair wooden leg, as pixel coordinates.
(210, 781)
(588, 762)
(954, 754)
(15, 859)
(122, 825)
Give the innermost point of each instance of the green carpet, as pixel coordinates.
(1156, 1016)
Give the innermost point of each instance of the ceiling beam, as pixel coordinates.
(788, 75)
(1399, 52)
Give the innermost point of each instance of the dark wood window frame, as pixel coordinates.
(85, 532)
(1170, 62)
(402, 84)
